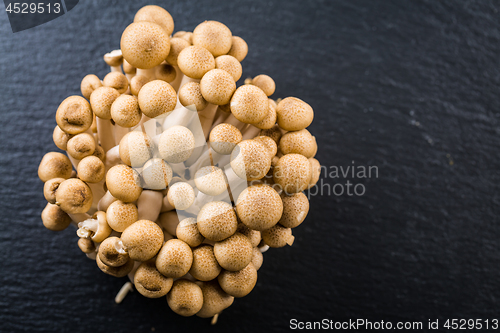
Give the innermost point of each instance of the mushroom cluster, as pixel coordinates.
(175, 176)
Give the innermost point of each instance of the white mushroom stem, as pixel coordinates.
(214, 319)
(178, 169)
(236, 184)
(144, 119)
(129, 78)
(206, 118)
(149, 73)
(87, 228)
(180, 116)
(91, 255)
(149, 205)
(250, 132)
(105, 133)
(123, 292)
(178, 79)
(132, 272)
(201, 161)
(114, 54)
(120, 133)
(113, 157)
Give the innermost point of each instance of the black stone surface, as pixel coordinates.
(411, 87)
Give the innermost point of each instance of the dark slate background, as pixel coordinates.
(411, 87)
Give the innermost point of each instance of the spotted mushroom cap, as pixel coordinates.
(145, 44)
(315, 171)
(101, 100)
(239, 48)
(89, 83)
(195, 61)
(91, 169)
(230, 64)
(233, 253)
(213, 36)
(270, 120)
(176, 144)
(187, 231)
(217, 86)
(156, 174)
(157, 97)
(292, 173)
(294, 114)
(269, 143)
(123, 183)
(266, 83)
(121, 215)
(249, 104)
(185, 298)
(215, 300)
(74, 115)
(210, 180)
(142, 240)
(224, 137)
(150, 282)
(277, 236)
(190, 94)
(298, 142)
(136, 148)
(250, 160)
(257, 258)
(205, 266)
(116, 80)
(158, 15)
(165, 72)
(109, 254)
(125, 111)
(176, 46)
(174, 259)
(239, 283)
(54, 218)
(136, 84)
(295, 209)
(259, 207)
(181, 195)
(217, 220)
(81, 145)
(74, 196)
(54, 165)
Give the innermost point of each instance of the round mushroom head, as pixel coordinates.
(250, 160)
(81, 145)
(128, 68)
(54, 218)
(176, 144)
(266, 83)
(217, 220)
(294, 114)
(157, 97)
(145, 44)
(213, 36)
(259, 207)
(136, 148)
(115, 271)
(269, 143)
(174, 259)
(91, 169)
(123, 183)
(187, 231)
(298, 142)
(190, 94)
(158, 15)
(60, 138)
(239, 48)
(292, 173)
(125, 111)
(205, 266)
(142, 240)
(121, 215)
(195, 61)
(249, 104)
(151, 283)
(109, 255)
(277, 236)
(233, 253)
(89, 83)
(101, 100)
(181, 195)
(74, 115)
(257, 258)
(165, 72)
(156, 174)
(50, 187)
(240, 283)
(230, 64)
(176, 46)
(270, 120)
(210, 180)
(217, 86)
(315, 172)
(74, 196)
(137, 83)
(113, 58)
(185, 298)
(215, 300)
(224, 137)
(295, 209)
(54, 165)
(116, 80)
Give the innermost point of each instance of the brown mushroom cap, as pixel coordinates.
(181, 195)
(274, 133)
(259, 207)
(125, 111)
(123, 183)
(217, 86)
(61, 138)
(205, 267)
(157, 97)
(176, 46)
(137, 83)
(185, 298)
(277, 236)
(240, 283)
(188, 232)
(295, 209)
(249, 104)
(233, 253)
(269, 143)
(149, 282)
(224, 137)
(174, 259)
(210, 180)
(101, 100)
(250, 160)
(145, 44)
(294, 114)
(89, 83)
(252, 235)
(213, 36)
(54, 165)
(187, 36)
(117, 81)
(266, 83)
(128, 68)
(230, 64)
(176, 144)
(315, 172)
(156, 174)
(136, 148)
(109, 254)
(217, 220)
(86, 245)
(270, 120)
(81, 145)
(54, 218)
(142, 240)
(215, 299)
(257, 258)
(121, 215)
(74, 196)
(99, 153)
(158, 15)
(165, 72)
(113, 58)
(292, 173)
(239, 48)
(115, 271)
(298, 142)
(195, 61)
(50, 187)
(91, 169)
(190, 94)
(74, 115)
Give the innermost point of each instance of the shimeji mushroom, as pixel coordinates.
(81, 145)
(273, 132)
(215, 300)
(129, 71)
(205, 266)
(270, 120)
(157, 97)
(249, 104)
(239, 48)
(176, 46)
(156, 174)
(239, 283)
(315, 172)
(156, 14)
(257, 258)
(89, 83)
(74, 196)
(292, 173)
(117, 81)
(109, 254)
(213, 36)
(50, 187)
(54, 218)
(217, 220)
(165, 72)
(269, 143)
(86, 245)
(250, 160)
(136, 148)
(294, 114)
(74, 115)
(298, 142)
(174, 259)
(54, 165)
(149, 205)
(95, 228)
(195, 61)
(91, 169)
(217, 86)
(136, 84)
(99, 153)
(259, 207)
(101, 100)
(266, 83)
(233, 253)
(142, 240)
(295, 209)
(253, 235)
(149, 282)
(224, 137)
(61, 138)
(190, 94)
(115, 271)
(230, 64)
(181, 195)
(185, 298)
(106, 200)
(114, 59)
(121, 215)
(188, 232)
(186, 35)
(176, 144)
(210, 180)
(123, 183)
(125, 111)
(278, 236)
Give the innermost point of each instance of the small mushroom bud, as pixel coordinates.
(176, 144)
(233, 253)
(240, 283)
(185, 298)
(274, 133)
(298, 142)
(292, 173)
(149, 282)
(50, 187)
(295, 209)
(86, 245)
(266, 83)
(195, 61)
(74, 115)
(205, 267)
(125, 111)
(239, 48)
(224, 137)
(74, 196)
(190, 94)
(249, 104)
(210, 180)
(259, 207)
(91, 169)
(115, 271)
(165, 72)
(217, 86)
(158, 15)
(156, 174)
(89, 83)
(54, 218)
(217, 220)
(269, 143)
(174, 259)
(121, 215)
(142, 240)
(215, 300)
(250, 160)
(230, 64)
(188, 232)
(123, 183)
(114, 59)
(101, 100)
(136, 148)
(137, 83)
(157, 97)
(117, 81)
(278, 236)
(61, 138)
(252, 235)
(96, 228)
(176, 46)
(294, 114)
(81, 145)
(181, 195)
(270, 120)
(109, 255)
(145, 44)
(315, 172)
(257, 258)
(213, 36)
